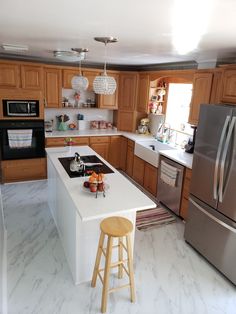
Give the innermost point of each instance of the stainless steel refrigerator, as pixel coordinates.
(211, 223)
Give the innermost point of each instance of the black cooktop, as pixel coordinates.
(65, 161)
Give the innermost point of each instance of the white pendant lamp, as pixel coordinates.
(80, 82)
(104, 84)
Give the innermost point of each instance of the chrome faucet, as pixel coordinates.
(164, 132)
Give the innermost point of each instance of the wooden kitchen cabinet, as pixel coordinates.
(138, 169)
(150, 178)
(114, 151)
(23, 170)
(32, 77)
(229, 86)
(130, 158)
(202, 83)
(143, 93)
(9, 75)
(100, 145)
(60, 141)
(185, 194)
(90, 76)
(53, 85)
(67, 76)
(128, 91)
(109, 101)
(123, 152)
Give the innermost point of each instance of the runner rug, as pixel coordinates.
(154, 217)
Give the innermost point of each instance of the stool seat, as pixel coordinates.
(116, 226)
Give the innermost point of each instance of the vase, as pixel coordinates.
(62, 126)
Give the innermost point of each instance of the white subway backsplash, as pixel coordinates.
(89, 114)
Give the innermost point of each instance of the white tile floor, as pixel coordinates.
(171, 278)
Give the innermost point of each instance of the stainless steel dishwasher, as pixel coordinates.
(170, 180)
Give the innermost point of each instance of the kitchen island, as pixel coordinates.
(77, 213)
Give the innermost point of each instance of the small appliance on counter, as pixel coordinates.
(155, 120)
(189, 147)
(48, 125)
(143, 126)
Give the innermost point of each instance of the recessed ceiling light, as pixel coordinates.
(11, 47)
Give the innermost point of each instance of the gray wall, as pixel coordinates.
(3, 264)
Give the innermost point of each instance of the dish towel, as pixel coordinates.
(168, 174)
(20, 138)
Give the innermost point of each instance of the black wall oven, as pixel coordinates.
(21, 139)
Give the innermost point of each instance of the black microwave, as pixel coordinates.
(20, 108)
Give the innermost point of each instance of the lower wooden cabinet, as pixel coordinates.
(150, 178)
(138, 170)
(101, 145)
(123, 152)
(24, 169)
(185, 194)
(60, 141)
(130, 158)
(114, 151)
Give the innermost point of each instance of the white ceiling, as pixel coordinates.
(144, 28)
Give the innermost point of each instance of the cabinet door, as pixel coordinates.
(90, 76)
(126, 120)
(53, 91)
(67, 77)
(143, 93)
(138, 170)
(102, 149)
(110, 101)
(127, 91)
(150, 179)
(9, 75)
(201, 94)
(114, 151)
(185, 194)
(130, 158)
(123, 153)
(32, 77)
(229, 86)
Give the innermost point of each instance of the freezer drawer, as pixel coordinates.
(167, 194)
(212, 237)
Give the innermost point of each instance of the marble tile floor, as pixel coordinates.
(171, 278)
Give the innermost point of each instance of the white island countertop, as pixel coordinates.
(121, 196)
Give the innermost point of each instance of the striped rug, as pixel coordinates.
(154, 217)
(150, 218)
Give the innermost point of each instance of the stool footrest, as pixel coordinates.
(119, 287)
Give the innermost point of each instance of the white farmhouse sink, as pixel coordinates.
(149, 150)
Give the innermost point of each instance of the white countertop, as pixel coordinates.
(179, 156)
(116, 200)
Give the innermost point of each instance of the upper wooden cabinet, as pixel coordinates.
(32, 77)
(229, 85)
(128, 90)
(52, 79)
(143, 93)
(110, 101)
(67, 77)
(90, 76)
(202, 83)
(9, 75)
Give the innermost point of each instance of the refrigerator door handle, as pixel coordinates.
(222, 164)
(215, 182)
(220, 222)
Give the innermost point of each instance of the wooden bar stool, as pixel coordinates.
(114, 227)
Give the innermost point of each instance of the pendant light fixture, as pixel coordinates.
(80, 82)
(104, 84)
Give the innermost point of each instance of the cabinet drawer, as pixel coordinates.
(55, 142)
(81, 140)
(99, 139)
(23, 170)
